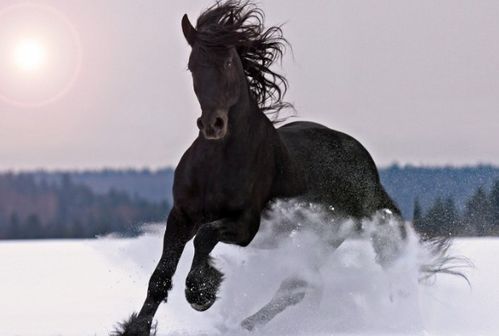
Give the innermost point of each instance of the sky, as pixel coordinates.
(417, 82)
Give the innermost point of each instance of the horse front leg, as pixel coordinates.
(178, 233)
(204, 280)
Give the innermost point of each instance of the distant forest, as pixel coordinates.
(33, 208)
(480, 216)
(86, 204)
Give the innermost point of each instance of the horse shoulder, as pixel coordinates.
(184, 186)
(289, 178)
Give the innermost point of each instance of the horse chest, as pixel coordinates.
(214, 194)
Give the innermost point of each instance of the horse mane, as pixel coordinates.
(240, 24)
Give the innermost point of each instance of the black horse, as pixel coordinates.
(240, 162)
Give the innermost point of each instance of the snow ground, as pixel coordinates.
(83, 287)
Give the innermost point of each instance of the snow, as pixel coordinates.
(83, 287)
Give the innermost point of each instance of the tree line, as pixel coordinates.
(31, 209)
(34, 206)
(480, 216)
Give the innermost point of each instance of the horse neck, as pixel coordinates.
(254, 136)
(247, 122)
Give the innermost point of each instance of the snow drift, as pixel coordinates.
(349, 291)
(84, 287)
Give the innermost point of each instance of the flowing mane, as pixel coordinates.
(240, 24)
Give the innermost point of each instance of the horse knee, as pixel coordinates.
(159, 285)
(245, 239)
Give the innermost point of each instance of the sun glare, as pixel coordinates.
(40, 54)
(29, 55)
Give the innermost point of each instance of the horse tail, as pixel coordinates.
(440, 261)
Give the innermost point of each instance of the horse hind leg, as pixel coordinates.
(290, 292)
(388, 236)
(386, 228)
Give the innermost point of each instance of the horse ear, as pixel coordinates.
(189, 30)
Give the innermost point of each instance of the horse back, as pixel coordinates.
(337, 169)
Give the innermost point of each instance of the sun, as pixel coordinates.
(29, 55)
(40, 55)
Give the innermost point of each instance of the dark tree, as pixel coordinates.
(418, 219)
(441, 220)
(14, 230)
(451, 218)
(33, 227)
(418, 211)
(478, 214)
(435, 219)
(494, 203)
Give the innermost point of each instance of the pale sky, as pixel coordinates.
(415, 81)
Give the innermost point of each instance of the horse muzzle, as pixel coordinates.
(214, 126)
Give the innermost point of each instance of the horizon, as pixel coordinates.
(95, 169)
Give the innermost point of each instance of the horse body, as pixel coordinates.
(240, 161)
(339, 172)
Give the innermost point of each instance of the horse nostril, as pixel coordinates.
(199, 122)
(219, 123)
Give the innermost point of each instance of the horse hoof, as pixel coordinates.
(200, 299)
(248, 324)
(202, 287)
(200, 307)
(135, 326)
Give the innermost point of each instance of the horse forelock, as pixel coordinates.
(240, 24)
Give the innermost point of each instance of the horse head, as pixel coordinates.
(217, 75)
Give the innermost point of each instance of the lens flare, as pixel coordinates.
(40, 55)
(29, 55)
